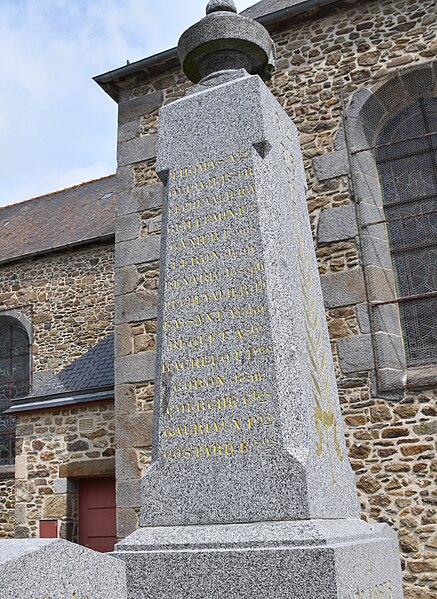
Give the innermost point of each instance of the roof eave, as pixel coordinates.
(58, 248)
(55, 400)
(108, 81)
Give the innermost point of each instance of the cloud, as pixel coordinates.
(55, 122)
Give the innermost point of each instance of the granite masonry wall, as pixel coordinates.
(53, 449)
(7, 505)
(68, 299)
(324, 57)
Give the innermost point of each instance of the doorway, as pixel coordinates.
(97, 527)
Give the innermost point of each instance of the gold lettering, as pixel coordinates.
(254, 288)
(220, 450)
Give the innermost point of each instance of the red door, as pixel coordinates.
(97, 513)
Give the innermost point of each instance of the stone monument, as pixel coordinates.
(250, 493)
(57, 569)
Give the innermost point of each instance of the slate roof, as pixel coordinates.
(89, 378)
(92, 370)
(52, 221)
(265, 7)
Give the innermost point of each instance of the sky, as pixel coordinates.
(57, 126)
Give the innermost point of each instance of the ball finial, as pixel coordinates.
(221, 5)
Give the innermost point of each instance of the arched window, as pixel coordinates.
(406, 157)
(14, 382)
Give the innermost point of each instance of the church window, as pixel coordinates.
(406, 157)
(14, 382)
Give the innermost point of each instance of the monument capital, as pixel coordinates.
(223, 41)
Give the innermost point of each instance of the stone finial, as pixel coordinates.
(226, 41)
(221, 5)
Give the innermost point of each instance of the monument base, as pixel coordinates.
(324, 559)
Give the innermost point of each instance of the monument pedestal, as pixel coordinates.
(324, 559)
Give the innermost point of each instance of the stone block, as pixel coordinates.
(389, 351)
(128, 131)
(20, 514)
(340, 138)
(57, 507)
(332, 165)
(360, 137)
(134, 430)
(125, 400)
(88, 468)
(127, 227)
(126, 279)
(363, 318)
(21, 467)
(136, 150)
(380, 284)
(123, 340)
(126, 464)
(357, 102)
(368, 195)
(57, 569)
(137, 107)
(390, 379)
(64, 485)
(336, 224)
(355, 353)
(154, 225)
(137, 306)
(422, 377)
(364, 162)
(128, 494)
(138, 251)
(375, 246)
(272, 560)
(139, 199)
(125, 181)
(24, 491)
(372, 113)
(386, 319)
(343, 288)
(135, 369)
(127, 522)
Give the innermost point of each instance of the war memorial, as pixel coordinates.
(250, 493)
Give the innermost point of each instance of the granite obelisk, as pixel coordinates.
(250, 493)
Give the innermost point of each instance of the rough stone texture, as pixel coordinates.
(355, 353)
(47, 444)
(337, 224)
(58, 569)
(318, 55)
(69, 299)
(130, 110)
(276, 560)
(229, 323)
(135, 150)
(344, 288)
(7, 502)
(392, 451)
(332, 165)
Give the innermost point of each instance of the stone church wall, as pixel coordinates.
(69, 299)
(52, 452)
(391, 439)
(7, 505)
